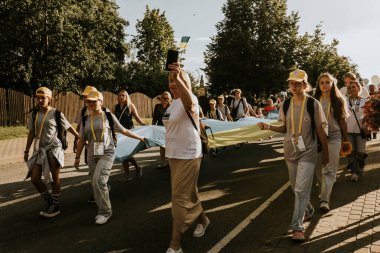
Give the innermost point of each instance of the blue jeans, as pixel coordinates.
(356, 160)
(301, 180)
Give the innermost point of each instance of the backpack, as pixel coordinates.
(109, 118)
(62, 133)
(310, 110)
(235, 109)
(202, 134)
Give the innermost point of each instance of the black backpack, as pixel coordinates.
(61, 133)
(109, 118)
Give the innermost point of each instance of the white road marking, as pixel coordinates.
(222, 243)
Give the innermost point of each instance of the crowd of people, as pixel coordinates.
(317, 127)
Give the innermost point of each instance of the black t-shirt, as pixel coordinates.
(124, 116)
(158, 113)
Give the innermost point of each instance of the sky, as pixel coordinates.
(354, 23)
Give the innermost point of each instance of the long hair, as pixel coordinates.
(337, 101)
(129, 102)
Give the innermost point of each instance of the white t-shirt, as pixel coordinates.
(239, 104)
(364, 93)
(182, 139)
(356, 105)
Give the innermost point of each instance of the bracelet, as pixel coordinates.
(26, 152)
(77, 158)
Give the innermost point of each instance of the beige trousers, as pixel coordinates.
(186, 206)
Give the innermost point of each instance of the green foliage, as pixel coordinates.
(154, 38)
(317, 57)
(253, 47)
(60, 44)
(257, 44)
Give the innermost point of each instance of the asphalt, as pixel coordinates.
(244, 192)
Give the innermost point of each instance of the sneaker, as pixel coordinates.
(170, 250)
(139, 172)
(101, 219)
(200, 229)
(354, 177)
(298, 235)
(126, 179)
(324, 206)
(91, 200)
(52, 211)
(45, 207)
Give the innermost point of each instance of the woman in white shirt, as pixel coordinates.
(184, 153)
(354, 126)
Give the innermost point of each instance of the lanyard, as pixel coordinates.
(92, 127)
(42, 123)
(327, 113)
(301, 116)
(122, 112)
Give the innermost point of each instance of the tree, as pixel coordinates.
(316, 57)
(253, 47)
(154, 38)
(60, 44)
(257, 45)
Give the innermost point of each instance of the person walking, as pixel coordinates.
(47, 158)
(238, 106)
(355, 129)
(184, 152)
(158, 113)
(223, 108)
(302, 117)
(83, 113)
(335, 111)
(99, 131)
(214, 112)
(125, 110)
(348, 78)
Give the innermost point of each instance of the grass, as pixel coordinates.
(13, 132)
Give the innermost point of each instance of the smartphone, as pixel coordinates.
(171, 57)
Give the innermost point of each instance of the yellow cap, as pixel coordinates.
(212, 101)
(88, 89)
(94, 96)
(44, 92)
(298, 75)
(237, 90)
(220, 96)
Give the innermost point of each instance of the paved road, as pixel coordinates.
(243, 190)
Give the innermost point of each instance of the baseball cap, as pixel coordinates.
(44, 92)
(87, 89)
(298, 75)
(212, 101)
(94, 96)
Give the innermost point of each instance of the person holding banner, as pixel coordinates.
(334, 108)
(300, 145)
(99, 132)
(184, 152)
(158, 113)
(124, 111)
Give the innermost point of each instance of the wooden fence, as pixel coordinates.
(14, 105)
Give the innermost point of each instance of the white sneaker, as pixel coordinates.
(170, 250)
(200, 229)
(354, 177)
(324, 206)
(101, 219)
